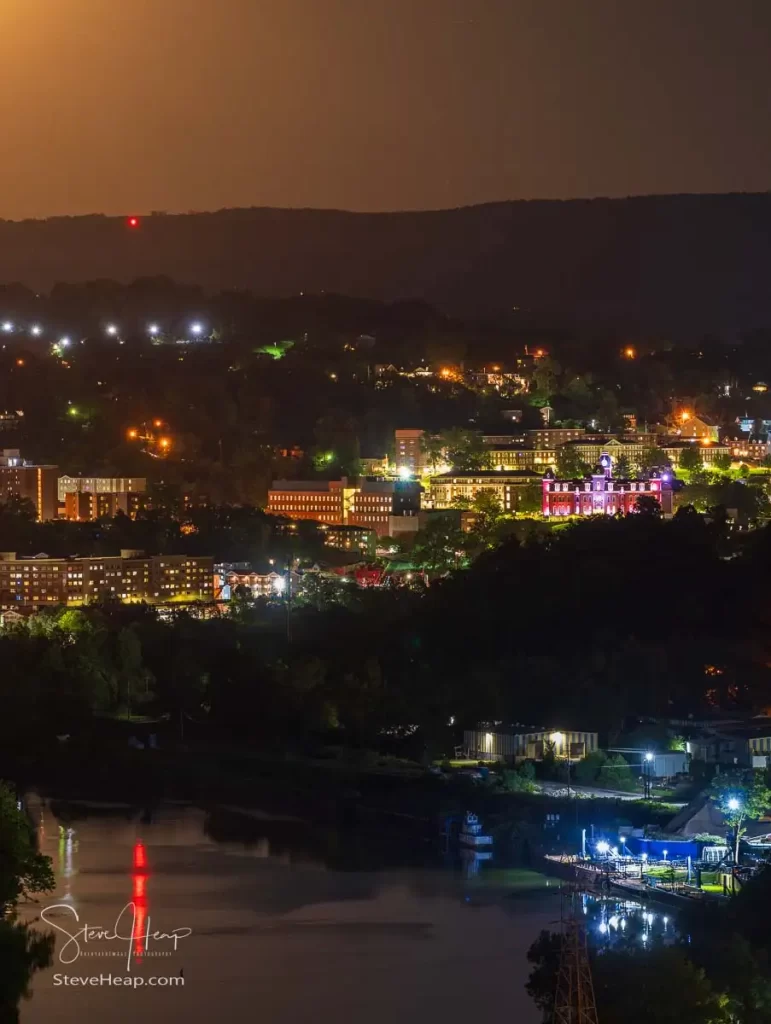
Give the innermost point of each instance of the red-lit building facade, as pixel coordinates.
(600, 494)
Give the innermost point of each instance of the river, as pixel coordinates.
(287, 925)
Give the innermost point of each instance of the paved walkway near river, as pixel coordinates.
(559, 789)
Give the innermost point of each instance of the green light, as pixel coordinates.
(72, 411)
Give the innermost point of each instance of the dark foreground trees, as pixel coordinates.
(24, 873)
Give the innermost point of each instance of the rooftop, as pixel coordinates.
(488, 474)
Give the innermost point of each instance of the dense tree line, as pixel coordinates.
(584, 626)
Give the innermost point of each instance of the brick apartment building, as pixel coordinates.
(368, 504)
(81, 506)
(22, 479)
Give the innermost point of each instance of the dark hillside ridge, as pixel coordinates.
(680, 262)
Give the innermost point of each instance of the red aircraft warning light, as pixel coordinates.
(133, 222)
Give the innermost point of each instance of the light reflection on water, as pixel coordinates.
(289, 923)
(622, 923)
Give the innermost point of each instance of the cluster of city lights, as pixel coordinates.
(158, 445)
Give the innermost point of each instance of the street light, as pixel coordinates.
(36, 330)
(112, 330)
(602, 847)
(153, 329)
(7, 326)
(734, 804)
(64, 342)
(196, 329)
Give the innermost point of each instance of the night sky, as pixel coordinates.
(136, 105)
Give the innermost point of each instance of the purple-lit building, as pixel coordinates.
(600, 494)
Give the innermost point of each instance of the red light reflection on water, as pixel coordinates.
(139, 898)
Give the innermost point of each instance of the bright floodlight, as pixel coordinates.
(279, 584)
(153, 329)
(196, 328)
(112, 330)
(733, 804)
(649, 756)
(404, 472)
(643, 856)
(64, 342)
(36, 329)
(7, 326)
(602, 847)
(622, 840)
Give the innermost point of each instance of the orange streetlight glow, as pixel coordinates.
(20, 362)
(685, 416)
(165, 442)
(132, 434)
(157, 423)
(629, 352)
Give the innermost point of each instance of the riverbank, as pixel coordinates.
(349, 788)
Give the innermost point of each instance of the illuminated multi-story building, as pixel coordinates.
(511, 457)
(131, 576)
(324, 501)
(368, 504)
(408, 450)
(101, 485)
(37, 484)
(632, 447)
(80, 506)
(600, 494)
(359, 539)
(552, 437)
(708, 451)
(744, 448)
(446, 488)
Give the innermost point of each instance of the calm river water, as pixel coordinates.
(287, 925)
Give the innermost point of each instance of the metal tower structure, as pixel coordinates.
(574, 999)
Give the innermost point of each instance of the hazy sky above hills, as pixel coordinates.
(132, 105)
